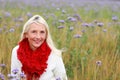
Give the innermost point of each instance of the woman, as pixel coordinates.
(36, 54)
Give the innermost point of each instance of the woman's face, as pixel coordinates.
(36, 35)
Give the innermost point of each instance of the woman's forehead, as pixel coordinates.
(37, 26)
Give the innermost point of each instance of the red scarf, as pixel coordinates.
(34, 63)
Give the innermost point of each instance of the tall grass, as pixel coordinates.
(92, 51)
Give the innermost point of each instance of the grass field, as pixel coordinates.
(88, 31)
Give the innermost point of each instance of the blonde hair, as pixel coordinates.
(39, 19)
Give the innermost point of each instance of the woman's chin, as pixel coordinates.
(36, 46)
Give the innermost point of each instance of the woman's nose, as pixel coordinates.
(38, 35)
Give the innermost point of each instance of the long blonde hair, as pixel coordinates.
(39, 19)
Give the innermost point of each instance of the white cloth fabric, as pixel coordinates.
(54, 70)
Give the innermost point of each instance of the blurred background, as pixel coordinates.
(88, 31)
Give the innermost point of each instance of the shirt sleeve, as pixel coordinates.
(15, 63)
(59, 71)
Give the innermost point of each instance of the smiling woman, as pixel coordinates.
(36, 35)
(36, 55)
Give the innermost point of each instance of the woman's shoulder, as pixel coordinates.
(56, 53)
(15, 48)
(54, 57)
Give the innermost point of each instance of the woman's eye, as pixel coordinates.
(33, 31)
(42, 31)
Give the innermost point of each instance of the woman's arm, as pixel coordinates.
(15, 63)
(59, 71)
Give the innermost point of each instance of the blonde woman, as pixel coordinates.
(36, 55)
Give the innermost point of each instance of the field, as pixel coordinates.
(87, 31)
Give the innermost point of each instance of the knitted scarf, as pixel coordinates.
(34, 63)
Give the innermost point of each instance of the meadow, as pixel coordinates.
(88, 32)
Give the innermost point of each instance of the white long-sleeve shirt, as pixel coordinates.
(54, 70)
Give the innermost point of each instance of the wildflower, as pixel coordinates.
(17, 25)
(15, 71)
(91, 25)
(72, 19)
(63, 11)
(115, 18)
(99, 63)
(104, 30)
(58, 78)
(7, 14)
(29, 14)
(83, 31)
(60, 27)
(22, 75)
(11, 30)
(95, 21)
(85, 24)
(77, 16)
(2, 65)
(61, 21)
(100, 24)
(11, 76)
(71, 28)
(77, 36)
(20, 19)
(2, 76)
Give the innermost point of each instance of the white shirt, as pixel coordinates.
(54, 70)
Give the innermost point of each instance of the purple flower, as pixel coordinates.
(61, 21)
(104, 30)
(91, 25)
(100, 24)
(115, 18)
(83, 31)
(29, 14)
(71, 28)
(7, 14)
(99, 63)
(95, 21)
(85, 24)
(11, 30)
(60, 27)
(15, 71)
(58, 78)
(2, 65)
(77, 36)
(72, 19)
(22, 75)
(11, 76)
(63, 11)
(2, 76)
(17, 25)
(77, 16)
(20, 19)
